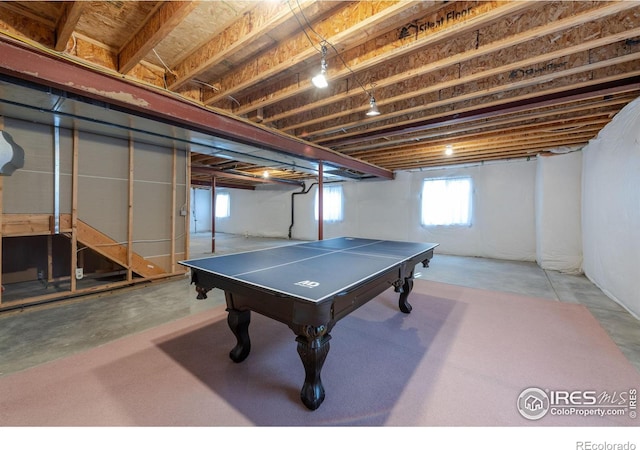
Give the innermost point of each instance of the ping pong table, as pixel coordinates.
(309, 287)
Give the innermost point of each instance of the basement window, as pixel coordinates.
(332, 200)
(446, 201)
(223, 204)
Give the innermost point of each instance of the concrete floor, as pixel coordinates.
(39, 334)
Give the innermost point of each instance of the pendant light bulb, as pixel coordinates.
(373, 108)
(320, 80)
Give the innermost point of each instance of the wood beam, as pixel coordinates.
(501, 69)
(223, 184)
(239, 176)
(473, 148)
(511, 135)
(297, 49)
(612, 86)
(38, 29)
(561, 112)
(459, 83)
(168, 16)
(61, 73)
(114, 251)
(394, 49)
(444, 160)
(504, 148)
(94, 289)
(32, 224)
(67, 23)
(252, 25)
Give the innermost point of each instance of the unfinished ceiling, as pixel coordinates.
(484, 80)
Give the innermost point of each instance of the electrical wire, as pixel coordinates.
(324, 41)
(138, 241)
(162, 62)
(206, 84)
(307, 22)
(302, 26)
(348, 68)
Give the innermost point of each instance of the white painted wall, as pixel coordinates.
(503, 212)
(567, 211)
(265, 212)
(611, 208)
(503, 218)
(200, 220)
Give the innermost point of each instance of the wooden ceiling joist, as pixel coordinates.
(479, 140)
(393, 50)
(166, 18)
(67, 23)
(354, 17)
(587, 73)
(61, 74)
(533, 119)
(503, 79)
(242, 176)
(266, 17)
(619, 84)
(485, 50)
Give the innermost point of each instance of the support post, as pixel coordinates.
(130, 213)
(320, 202)
(173, 209)
(187, 218)
(1, 213)
(74, 210)
(56, 175)
(213, 214)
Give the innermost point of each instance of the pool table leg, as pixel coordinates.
(313, 346)
(239, 323)
(403, 303)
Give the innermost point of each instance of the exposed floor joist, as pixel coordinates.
(442, 73)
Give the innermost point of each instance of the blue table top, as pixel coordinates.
(312, 270)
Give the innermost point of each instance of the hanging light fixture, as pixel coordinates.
(320, 80)
(373, 107)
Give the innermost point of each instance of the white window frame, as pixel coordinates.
(223, 205)
(446, 202)
(333, 203)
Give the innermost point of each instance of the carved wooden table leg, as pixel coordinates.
(239, 323)
(403, 303)
(313, 346)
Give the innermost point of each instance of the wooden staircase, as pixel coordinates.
(116, 252)
(42, 224)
